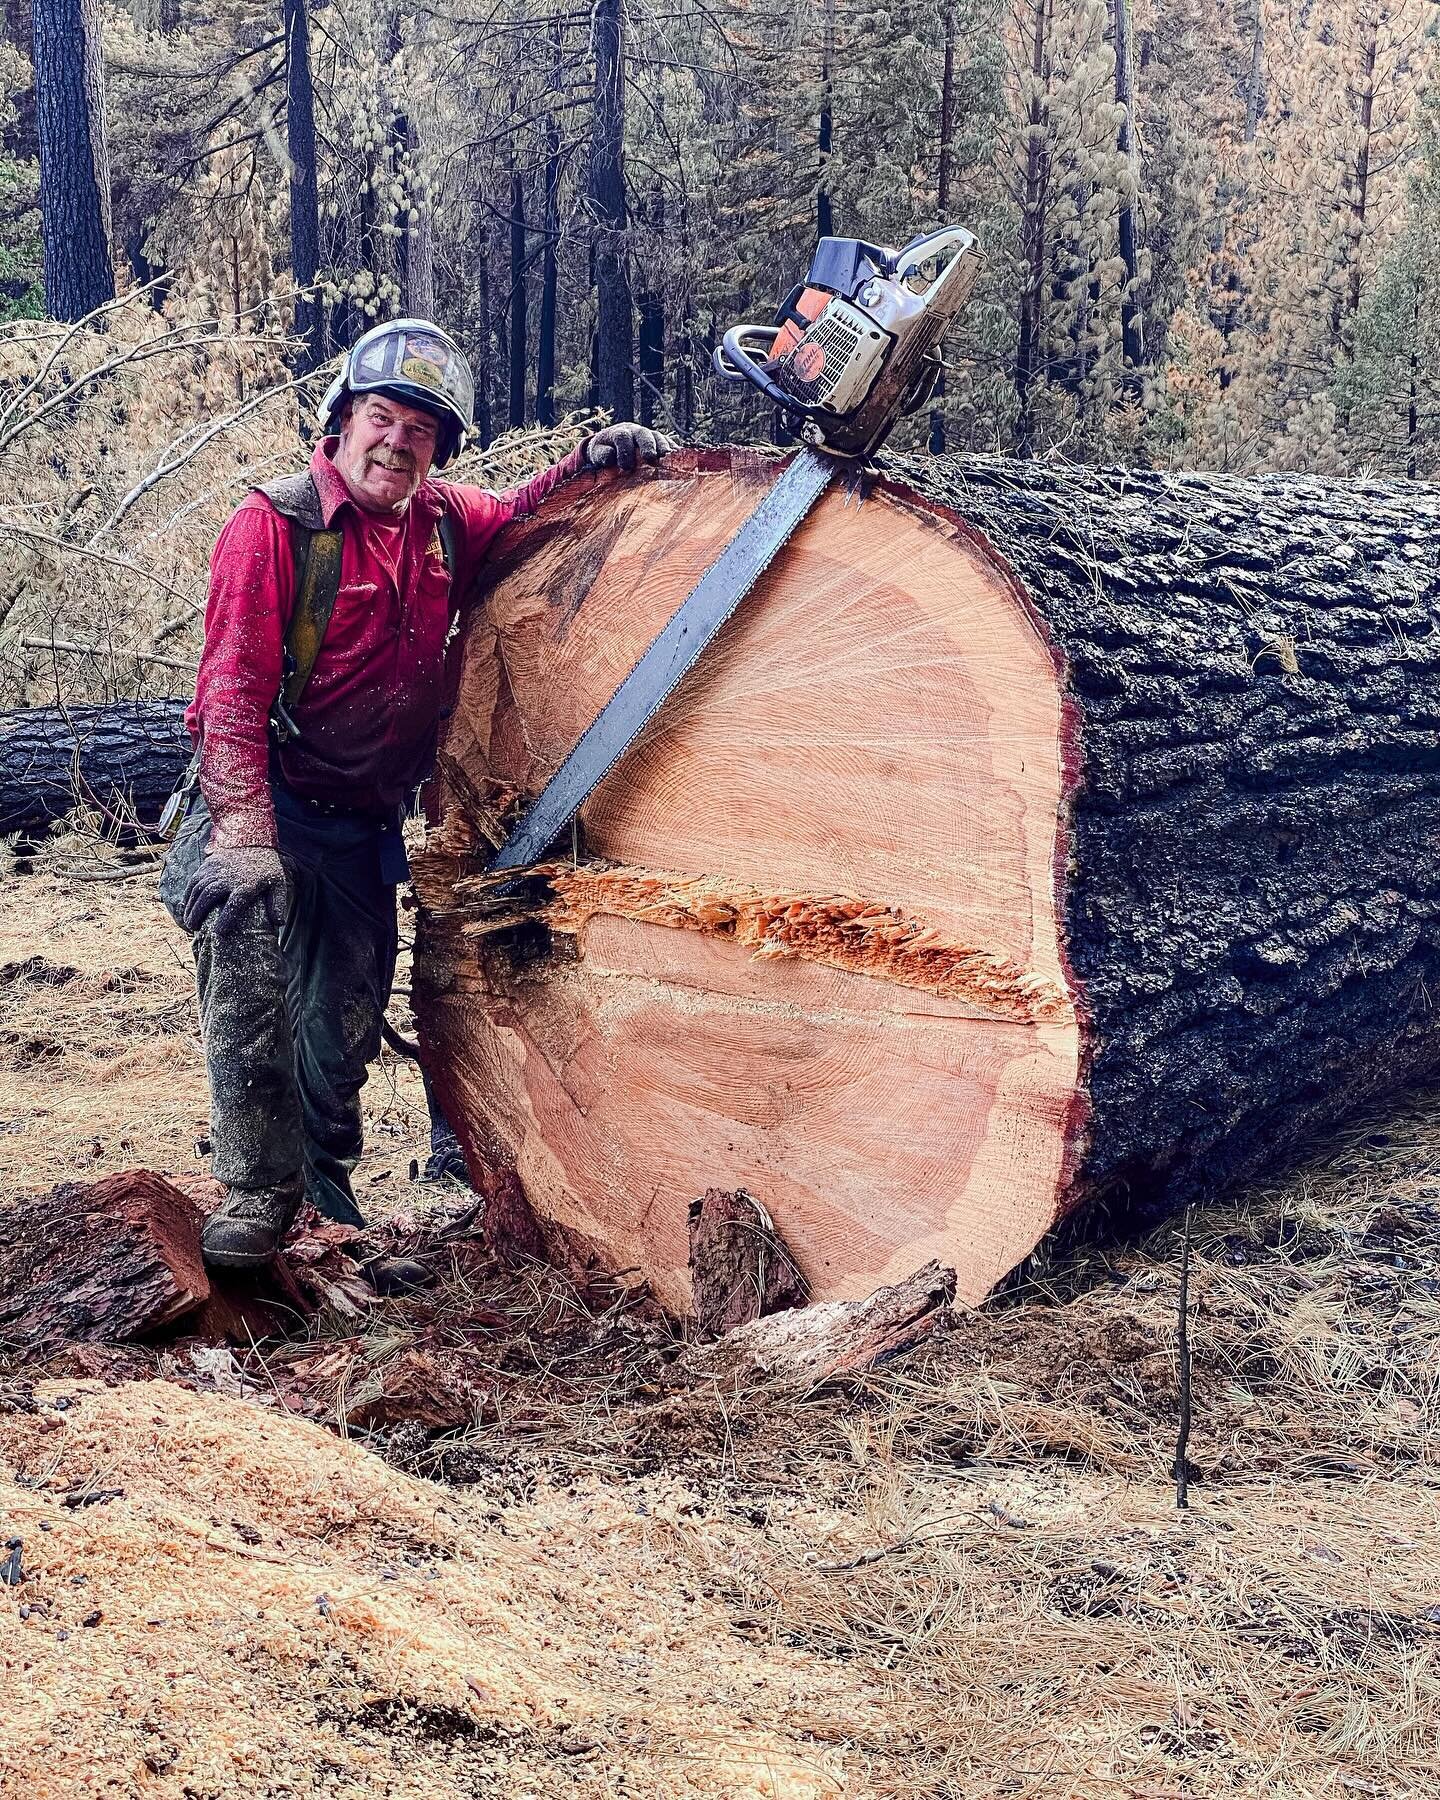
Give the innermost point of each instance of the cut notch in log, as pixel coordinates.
(1026, 719)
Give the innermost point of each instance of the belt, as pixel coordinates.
(332, 809)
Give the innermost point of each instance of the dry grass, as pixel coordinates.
(967, 1579)
(100, 1059)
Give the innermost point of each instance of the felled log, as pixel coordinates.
(98, 1262)
(124, 758)
(1031, 836)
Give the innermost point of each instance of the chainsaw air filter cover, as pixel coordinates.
(832, 365)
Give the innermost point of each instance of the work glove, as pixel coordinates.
(626, 445)
(235, 880)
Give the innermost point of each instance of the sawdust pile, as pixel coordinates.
(222, 1600)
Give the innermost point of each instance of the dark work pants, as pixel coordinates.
(292, 1023)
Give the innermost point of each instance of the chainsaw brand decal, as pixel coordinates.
(808, 362)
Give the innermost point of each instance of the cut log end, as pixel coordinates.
(812, 951)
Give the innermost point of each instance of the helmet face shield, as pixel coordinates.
(410, 356)
(413, 362)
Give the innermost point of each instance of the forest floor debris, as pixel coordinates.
(963, 1577)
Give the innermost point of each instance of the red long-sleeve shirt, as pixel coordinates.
(369, 714)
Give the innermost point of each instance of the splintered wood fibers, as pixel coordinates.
(264, 1609)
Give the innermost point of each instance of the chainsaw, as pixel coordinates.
(853, 349)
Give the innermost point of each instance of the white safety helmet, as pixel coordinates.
(414, 363)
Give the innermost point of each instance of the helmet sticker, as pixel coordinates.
(426, 360)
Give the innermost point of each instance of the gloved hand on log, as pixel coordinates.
(235, 880)
(626, 445)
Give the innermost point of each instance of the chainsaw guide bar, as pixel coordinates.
(669, 659)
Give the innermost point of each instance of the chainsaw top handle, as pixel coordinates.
(741, 356)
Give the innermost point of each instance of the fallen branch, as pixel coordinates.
(177, 458)
(62, 648)
(797, 1351)
(116, 562)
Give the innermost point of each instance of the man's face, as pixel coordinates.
(385, 451)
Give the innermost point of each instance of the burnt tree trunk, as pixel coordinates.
(936, 440)
(1132, 325)
(1033, 244)
(614, 317)
(519, 300)
(74, 159)
(125, 758)
(825, 134)
(549, 270)
(1031, 837)
(304, 187)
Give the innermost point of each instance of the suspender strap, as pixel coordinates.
(446, 528)
(317, 582)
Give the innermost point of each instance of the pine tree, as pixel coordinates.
(1341, 147)
(74, 157)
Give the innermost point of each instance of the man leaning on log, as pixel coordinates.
(286, 863)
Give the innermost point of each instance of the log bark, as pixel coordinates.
(1032, 836)
(121, 757)
(740, 1270)
(98, 1262)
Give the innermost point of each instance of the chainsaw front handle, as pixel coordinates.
(734, 360)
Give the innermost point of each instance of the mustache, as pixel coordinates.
(399, 460)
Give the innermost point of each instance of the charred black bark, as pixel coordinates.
(304, 186)
(519, 301)
(1131, 315)
(1253, 673)
(119, 757)
(549, 271)
(74, 161)
(614, 318)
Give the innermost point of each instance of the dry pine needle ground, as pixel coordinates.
(969, 1579)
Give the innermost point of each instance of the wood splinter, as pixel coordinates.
(798, 1350)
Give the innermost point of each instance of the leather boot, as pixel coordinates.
(390, 1275)
(249, 1225)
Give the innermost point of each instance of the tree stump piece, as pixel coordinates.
(98, 1262)
(740, 1269)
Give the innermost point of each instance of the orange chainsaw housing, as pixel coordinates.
(796, 318)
